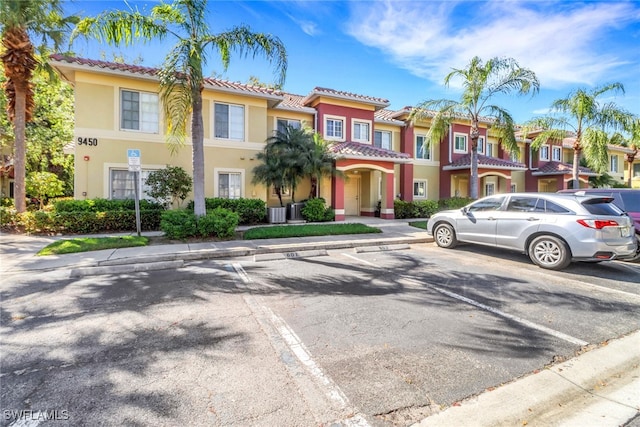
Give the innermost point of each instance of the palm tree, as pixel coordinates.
(480, 81)
(584, 118)
(270, 172)
(318, 163)
(19, 21)
(292, 146)
(181, 75)
(633, 142)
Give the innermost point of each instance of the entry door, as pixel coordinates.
(352, 196)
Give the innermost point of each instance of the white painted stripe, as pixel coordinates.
(517, 319)
(301, 352)
(359, 260)
(520, 320)
(241, 273)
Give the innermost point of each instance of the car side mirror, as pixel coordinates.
(465, 210)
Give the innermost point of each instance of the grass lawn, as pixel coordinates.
(280, 231)
(85, 244)
(419, 224)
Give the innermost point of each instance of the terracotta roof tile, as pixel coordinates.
(464, 162)
(559, 168)
(351, 149)
(319, 91)
(148, 71)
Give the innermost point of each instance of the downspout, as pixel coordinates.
(450, 143)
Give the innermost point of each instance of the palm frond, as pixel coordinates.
(596, 151)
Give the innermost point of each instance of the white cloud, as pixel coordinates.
(562, 42)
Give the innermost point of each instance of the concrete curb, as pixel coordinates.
(602, 384)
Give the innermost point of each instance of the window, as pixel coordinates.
(614, 163)
(334, 128)
(636, 170)
(460, 143)
(420, 189)
(489, 189)
(514, 188)
(515, 157)
(382, 139)
(490, 204)
(229, 121)
(481, 144)
(122, 184)
(489, 152)
(423, 151)
(361, 131)
(556, 154)
(544, 152)
(230, 185)
(522, 204)
(282, 124)
(139, 111)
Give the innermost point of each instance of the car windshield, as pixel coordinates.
(602, 206)
(490, 204)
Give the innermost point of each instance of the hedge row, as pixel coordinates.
(103, 205)
(79, 222)
(250, 211)
(183, 224)
(415, 209)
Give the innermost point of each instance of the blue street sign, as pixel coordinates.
(133, 153)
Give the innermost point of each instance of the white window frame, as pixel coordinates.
(514, 188)
(465, 137)
(148, 112)
(216, 179)
(142, 177)
(337, 119)
(544, 153)
(556, 153)
(234, 131)
(363, 137)
(424, 186)
(515, 157)
(296, 124)
(613, 163)
(489, 150)
(382, 133)
(481, 145)
(428, 151)
(489, 189)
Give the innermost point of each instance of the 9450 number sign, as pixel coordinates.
(91, 142)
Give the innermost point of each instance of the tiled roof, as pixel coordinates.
(464, 162)
(152, 72)
(355, 150)
(385, 115)
(321, 91)
(559, 168)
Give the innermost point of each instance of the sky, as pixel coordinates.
(402, 50)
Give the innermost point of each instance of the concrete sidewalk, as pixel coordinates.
(18, 252)
(601, 387)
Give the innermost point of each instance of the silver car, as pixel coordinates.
(553, 229)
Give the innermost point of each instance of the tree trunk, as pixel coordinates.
(20, 154)
(473, 179)
(630, 158)
(577, 153)
(197, 142)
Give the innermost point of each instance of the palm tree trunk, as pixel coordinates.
(19, 168)
(197, 141)
(630, 158)
(473, 179)
(576, 168)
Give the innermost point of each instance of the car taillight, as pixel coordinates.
(598, 224)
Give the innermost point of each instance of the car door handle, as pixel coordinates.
(491, 218)
(532, 218)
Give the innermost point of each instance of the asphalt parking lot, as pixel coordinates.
(351, 337)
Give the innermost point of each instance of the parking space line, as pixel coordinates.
(284, 339)
(500, 313)
(358, 259)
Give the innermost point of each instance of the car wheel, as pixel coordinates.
(445, 236)
(549, 252)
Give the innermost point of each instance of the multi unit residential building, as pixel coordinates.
(382, 155)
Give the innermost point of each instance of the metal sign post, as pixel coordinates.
(134, 166)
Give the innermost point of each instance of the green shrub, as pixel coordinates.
(454, 203)
(415, 209)
(103, 205)
(315, 210)
(250, 211)
(218, 222)
(8, 216)
(179, 224)
(6, 202)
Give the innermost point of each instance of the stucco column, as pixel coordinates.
(387, 211)
(337, 197)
